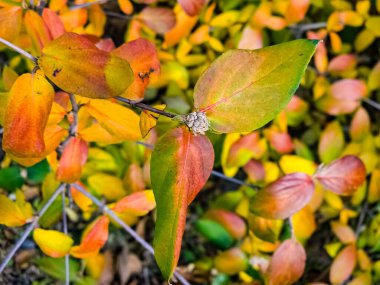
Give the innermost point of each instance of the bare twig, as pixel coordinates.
(127, 228)
(19, 50)
(65, 231)
(371, 103)
(233, 180)
(146, 107)
(307, 27)
(74, 125)
(30, 227)
(88, 4)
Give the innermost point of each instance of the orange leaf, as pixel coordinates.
(139, 203)
(142, 56)
(119, 121)
(296, 11)
(53, 23)
(234, 225)
(343, 265)
(37, 30)
(342, 176)
(77, 66)
(52, 243)
(287, 264)
(125, 6)
(26, 116)
(10, 22)
(94, 238)
(283, 198)
(192, 7)
(344, 232)
(83, 202)
(160, 20)
(73, 158)
(180, 166)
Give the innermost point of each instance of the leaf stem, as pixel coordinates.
(30, 227)
(127, 228)
(19, 50)
(146, 107)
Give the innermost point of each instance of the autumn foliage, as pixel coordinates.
(240, 138)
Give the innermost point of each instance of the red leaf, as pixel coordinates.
(180, 166)
(342, 176)
(287, 264)
(53, 23)
(161, 20)
(74, 156)
(284, 197)
(192, 7)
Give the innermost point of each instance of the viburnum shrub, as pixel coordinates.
(71, 99)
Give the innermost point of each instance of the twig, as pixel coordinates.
(233, 180)
(65, 231)
(117, 15)
(88, 4)
(74, 126)
(372, 103)
(307, 27)
(19, 50)
(30, 228)
(127, 228)
(146, 107)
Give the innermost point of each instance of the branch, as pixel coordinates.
(146, 107)
(372, 103)
(19, 50)
(127, 228)
(31, 227)
(65, 231)
(88, 4)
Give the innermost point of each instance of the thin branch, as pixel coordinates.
(307, 27)
(127, 228)
(117, 15)
(372, 103)
(74, 126)
(19, 50)
(88, 4)
(30, 227)
(233, 180)
(65, 231)
(146, 107)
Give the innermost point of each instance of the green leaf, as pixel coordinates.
(55, 267)
(245, 89)
(180, 166)
(38, 172)
(215, 233)
(10, 178)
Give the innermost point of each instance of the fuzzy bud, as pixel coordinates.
(197, 122)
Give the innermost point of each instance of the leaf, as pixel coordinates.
(341, 63)
(82, 201)
(109, 186)
(265, 229)
(349, 89)
(10, 22)
(284, 197)
(344, 232)
(73, 158)
(256, 87)
(119, 121)
(37, 30)
(215, 233)
(373, 24)
(55, 267)
(296, 11)
(148, 120)
(52, 243)
(180, 166)
(10, 178)
(9, 77)
(143, 58)
(373, 78)
(342, 176)
(76, 65)
(15, 214)
(139, 203)
(53, 23)
(26, 115)
(287, 264)
(94, 238)
(331, 142)
(192, 7)
(360, 125)
(234, 225)
(160, 20)
(343, 265)
(125, 6)
(231, 261)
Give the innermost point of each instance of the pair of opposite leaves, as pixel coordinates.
(240, 92)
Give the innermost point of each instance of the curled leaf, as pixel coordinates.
(180, 166)
(284, 197)
(342, 176)
(26, 115)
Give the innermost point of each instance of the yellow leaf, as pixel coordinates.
(148, 120)
(228, 142)
(293, 163)
(116, 119)
(14, 214)
(216, 44)
(225, 20)
(304, 224)
(52, 243)
(373, 25)
(107, 185)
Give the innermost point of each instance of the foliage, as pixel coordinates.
(226, 85)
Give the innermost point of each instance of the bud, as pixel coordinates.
(197, 122)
